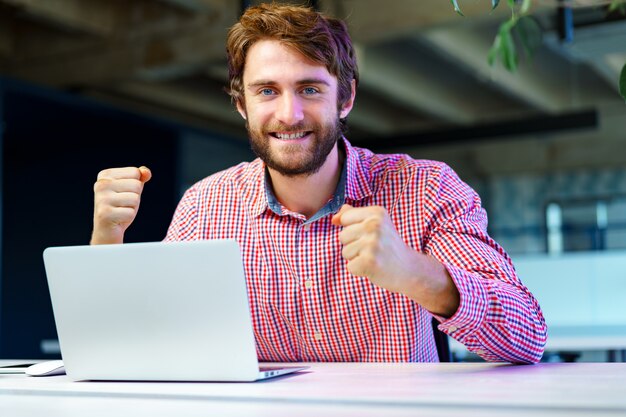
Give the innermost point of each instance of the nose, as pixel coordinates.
(289, 109)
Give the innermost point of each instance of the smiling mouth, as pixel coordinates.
(290, 135)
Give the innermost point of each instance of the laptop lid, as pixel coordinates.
(153, 311)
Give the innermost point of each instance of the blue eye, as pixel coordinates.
(309, 90)
(267, 92)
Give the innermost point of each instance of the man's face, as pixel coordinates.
(290, 109)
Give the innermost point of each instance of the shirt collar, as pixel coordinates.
(256, 193)
(353, 185)
(358, 162)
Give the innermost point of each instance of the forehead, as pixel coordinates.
(272, 60)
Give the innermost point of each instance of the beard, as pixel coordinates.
(295, 159)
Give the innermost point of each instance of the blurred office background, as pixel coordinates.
(90, 84)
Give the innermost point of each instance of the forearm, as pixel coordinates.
(431, 286)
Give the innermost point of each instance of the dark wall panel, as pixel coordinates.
(53, 147)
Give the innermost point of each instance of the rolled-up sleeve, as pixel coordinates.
(497, 318)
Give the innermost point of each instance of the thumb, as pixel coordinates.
(336, 220)
(146, 174)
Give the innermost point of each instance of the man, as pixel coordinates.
(347, 254)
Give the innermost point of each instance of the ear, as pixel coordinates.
(347, 106)
(241, 109)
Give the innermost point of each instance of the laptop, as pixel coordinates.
(154, 312)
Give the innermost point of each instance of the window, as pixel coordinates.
(585, 225)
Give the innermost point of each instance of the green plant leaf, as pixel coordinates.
(529, 33)
(456, 7)
(525, 6)
(511, 3)
(509, 53)
(494, 4)
(494, 51)
(504, 47)
(622, 82)
(618, 5)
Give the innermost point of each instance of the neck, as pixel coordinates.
(307, 194)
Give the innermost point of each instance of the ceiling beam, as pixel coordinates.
(374, 21)
(196, 6)
(411, 87)
(539, 84)
(601, 45)
(207, 103)
(548, 82)
(508, 129)
(160, 111)
(379, 118)
(96, 17)
(178, 47)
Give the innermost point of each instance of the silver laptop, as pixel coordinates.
(154, 311)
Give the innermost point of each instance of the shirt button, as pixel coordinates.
(306, 227)
(480, 352)
(452, 329)
(317, 336)
(308, 283)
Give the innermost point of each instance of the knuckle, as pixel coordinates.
(119, 173)
(370, 264)
(373, 224)
(135, 199)
(103, 174)
(99, 203)
(370, 254)
(353, 269)
(137, 187)
(371, 244)
(379, 211)
(120, 215)
(103, 213)
(103, 200)
(100, 185)
(109, 173)
(373, 239)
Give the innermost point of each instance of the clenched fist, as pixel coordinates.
(374, 249)
(117, 193)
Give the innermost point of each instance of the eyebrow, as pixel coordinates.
(260, 83)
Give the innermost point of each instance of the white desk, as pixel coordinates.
(341, 389)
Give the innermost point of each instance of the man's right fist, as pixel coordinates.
(117, 193)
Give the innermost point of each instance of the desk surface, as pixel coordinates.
(345, 389)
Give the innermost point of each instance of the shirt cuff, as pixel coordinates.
(473, 304)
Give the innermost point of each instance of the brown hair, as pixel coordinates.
(323, 40)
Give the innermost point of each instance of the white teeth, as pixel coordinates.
(285, 136)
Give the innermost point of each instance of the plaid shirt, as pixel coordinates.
(305, 304)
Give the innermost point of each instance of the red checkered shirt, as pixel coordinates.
(305, 304)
